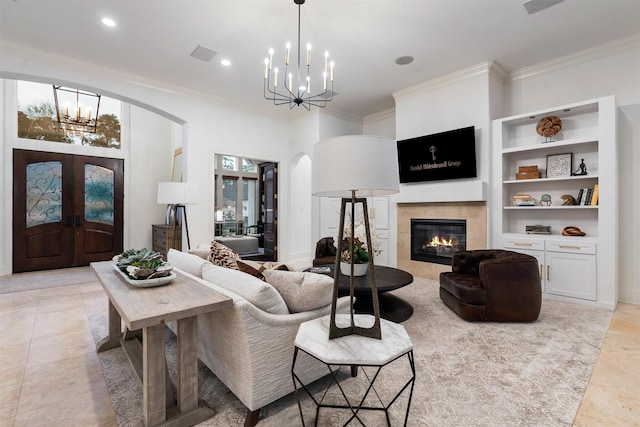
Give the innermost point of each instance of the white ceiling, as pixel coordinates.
(154, 39)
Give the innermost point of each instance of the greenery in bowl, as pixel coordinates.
(140, 264)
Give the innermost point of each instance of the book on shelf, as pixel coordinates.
(594, 196)
(587, 196)
(523, 200)
(584, 196)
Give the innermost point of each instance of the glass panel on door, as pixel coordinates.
(44, 193)
(98, 194)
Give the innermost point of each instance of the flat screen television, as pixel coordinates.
(440, 156)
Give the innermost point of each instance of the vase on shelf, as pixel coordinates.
(358, 269)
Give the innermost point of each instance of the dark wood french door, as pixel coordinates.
(269, 202)
(67, 210)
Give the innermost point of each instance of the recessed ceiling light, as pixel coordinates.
(404, 60)
(109, 22)
(225, 62)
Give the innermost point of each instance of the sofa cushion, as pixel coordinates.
(223, 256)
(259, 293)
(465, 287)
(302, 291)
(201, 252)
(186, 262)
(255, 268)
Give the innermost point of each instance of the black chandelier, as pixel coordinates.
(76, 110)
(300, 94)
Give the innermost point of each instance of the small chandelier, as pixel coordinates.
(295, 89)
(77, 111)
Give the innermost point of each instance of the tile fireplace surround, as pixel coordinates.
(474, 212)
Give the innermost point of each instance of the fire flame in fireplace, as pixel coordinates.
(438, 241)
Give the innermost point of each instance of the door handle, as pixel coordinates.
(78, 221)
(69, 222)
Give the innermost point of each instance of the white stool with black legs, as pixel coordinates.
(364, 356)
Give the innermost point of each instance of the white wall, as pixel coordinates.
(451, 102)
(210, 126)
(301, 202)
(606, 70)
(305, 130)
(383, 124)
(150, 144)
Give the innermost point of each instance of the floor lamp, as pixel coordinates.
(176, 194)
(353, 167)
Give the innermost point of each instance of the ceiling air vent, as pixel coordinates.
(533, 6)
(203, 53)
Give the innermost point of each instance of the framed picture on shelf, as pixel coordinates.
(559, 165)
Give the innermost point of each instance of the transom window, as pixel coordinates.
(37, 119)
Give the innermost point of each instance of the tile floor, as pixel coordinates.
(51, 375)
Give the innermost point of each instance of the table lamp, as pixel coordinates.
(178, 195)
(353, 167)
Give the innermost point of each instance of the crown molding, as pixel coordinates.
(382, 115)
(444, 81)
(341, 114)
(497, 71)
(577, 58)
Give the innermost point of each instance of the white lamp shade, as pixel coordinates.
(174, 193)
(364, 163)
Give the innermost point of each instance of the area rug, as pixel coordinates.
(480, 374)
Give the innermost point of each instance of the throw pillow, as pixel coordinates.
(259, 293)
(223, 256)
(302, 291)
(255, 268)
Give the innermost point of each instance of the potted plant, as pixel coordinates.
(360, 253)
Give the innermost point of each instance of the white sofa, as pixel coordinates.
(248, 348)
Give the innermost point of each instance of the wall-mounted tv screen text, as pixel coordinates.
(440, 156)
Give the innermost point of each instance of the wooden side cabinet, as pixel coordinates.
(163, 238)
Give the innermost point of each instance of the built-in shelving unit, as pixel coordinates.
(581, 269)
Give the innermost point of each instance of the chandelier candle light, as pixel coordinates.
(300, 94)
(83, 116)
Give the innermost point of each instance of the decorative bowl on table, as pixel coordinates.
(143, 268)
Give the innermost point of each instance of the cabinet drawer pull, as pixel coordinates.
(541, 272)
(569, 247)
(522, 244)
(548, 272)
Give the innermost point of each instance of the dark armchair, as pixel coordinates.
(325, 252)
(493, 285)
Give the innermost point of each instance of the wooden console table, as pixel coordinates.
(149, 309)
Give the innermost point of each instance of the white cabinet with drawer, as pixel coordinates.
(567, 267)
(582, 269)
(570, 275)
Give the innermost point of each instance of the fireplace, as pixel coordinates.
(435, 240)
